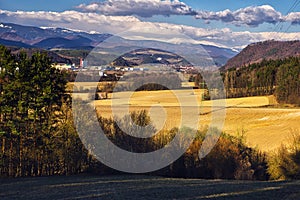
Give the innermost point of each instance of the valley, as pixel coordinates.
(143, 99)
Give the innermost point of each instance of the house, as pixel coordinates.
(62, 66)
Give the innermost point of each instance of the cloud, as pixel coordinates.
(70, 19)
(133, 28)
(142, 8)
(251, 16)
(225, 37)
(293, 17)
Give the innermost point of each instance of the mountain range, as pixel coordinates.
(49, 38)
(43, 37)
(54, 40)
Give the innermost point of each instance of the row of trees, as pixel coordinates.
(147, 81)
(138, 82)
(280, 77)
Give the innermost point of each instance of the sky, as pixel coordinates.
(226, 23)
(212, 5)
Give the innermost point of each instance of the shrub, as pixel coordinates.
(229, 159)
(285, 162)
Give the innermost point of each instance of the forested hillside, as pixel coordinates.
(267, 50)
(280, 77)
(264, 68)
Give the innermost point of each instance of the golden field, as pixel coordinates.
(264, 127)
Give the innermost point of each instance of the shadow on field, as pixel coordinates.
(143, 187)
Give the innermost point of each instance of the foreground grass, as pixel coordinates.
(143, 187)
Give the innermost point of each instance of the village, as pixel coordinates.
(118, 71)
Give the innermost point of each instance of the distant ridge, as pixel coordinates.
(78, 42)
(14, 43)
(50, 38)
(268, 50)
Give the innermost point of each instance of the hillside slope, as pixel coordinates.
(55, 58)
(78, 42)
(268, 50)
(144, 56)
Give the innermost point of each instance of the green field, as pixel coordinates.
(131, 187)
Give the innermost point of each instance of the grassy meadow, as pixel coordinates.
(143, 187)
(263, 124)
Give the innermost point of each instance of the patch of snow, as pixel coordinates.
(67, 31)
(76, 30)
(93, 32)
(4, 26)
(45, 27)
(237, 49)
(63, 30)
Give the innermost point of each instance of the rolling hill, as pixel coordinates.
(77, 42)
(268, 50)
(145, 56)
(55, 58)
(14, 43)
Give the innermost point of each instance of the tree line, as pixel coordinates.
(280, 77)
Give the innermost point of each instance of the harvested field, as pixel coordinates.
(264, 127)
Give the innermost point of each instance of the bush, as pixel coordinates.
(229, 159)
(285, 162)
(232, 159)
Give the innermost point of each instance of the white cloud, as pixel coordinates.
(293, 17)
(71, 19)
(143, 8)
(251, 16)
(218, 37)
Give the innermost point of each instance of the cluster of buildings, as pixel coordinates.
(105, 68)
(118, 68)
(72, 67)
(184, 69)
